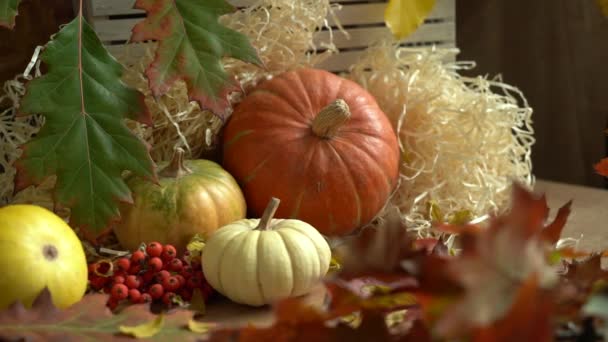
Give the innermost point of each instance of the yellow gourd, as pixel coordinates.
(38, 249)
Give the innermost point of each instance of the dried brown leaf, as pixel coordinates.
(88, 319)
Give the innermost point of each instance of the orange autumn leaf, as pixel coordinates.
(602, 167)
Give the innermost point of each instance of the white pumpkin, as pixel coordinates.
(258, 261)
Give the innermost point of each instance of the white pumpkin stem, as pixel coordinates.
(271, 208)
(176, 167)
(329, 119)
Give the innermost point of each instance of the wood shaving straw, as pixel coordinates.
(282, 31)
(14, 131)
(462, 143)
(177, 121)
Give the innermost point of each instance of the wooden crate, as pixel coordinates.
(363, 20)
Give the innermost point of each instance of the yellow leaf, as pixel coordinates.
(404, 16)
(144, 330)
(334, 264)
(460, 217)
(396, 317)
(434, 211)
(196, 244)
(604, 6)
(200, 327)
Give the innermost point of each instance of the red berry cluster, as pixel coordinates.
(155, 274)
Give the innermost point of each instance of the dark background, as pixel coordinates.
(555, 51)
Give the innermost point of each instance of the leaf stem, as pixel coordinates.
(82, 109)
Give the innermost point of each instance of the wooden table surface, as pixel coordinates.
(588, 221)
(589, 217)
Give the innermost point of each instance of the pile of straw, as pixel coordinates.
(463, 140)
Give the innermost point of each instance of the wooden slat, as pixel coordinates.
(118, 7)
(338, 62)
(363, 14)
(117, 30)
(362, 37)
(354, 14)
(341, 61)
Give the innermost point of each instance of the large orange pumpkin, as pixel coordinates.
(317, 141)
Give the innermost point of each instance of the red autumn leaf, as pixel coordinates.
(528, 319)
(553, 231)
(527, 216)
(380, 249)
(586, 272)
(577, 283)
(602, 167)
(496, 263)
(88, 319)
(296, 321)
(191, 44)
(347, 297)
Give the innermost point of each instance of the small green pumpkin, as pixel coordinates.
(191, 197)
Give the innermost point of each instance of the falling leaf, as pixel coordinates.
(90, 319)
(602, 167)
(403, 17)
(144, 330)
(8, 12)
(191, 45)
(85, 140)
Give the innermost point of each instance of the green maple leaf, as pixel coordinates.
(191, 45)
(84, 140)
(8, 12)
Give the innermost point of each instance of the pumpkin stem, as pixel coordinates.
(176, 167)
(271, 208)
(330, 118)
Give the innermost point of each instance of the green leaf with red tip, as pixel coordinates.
(8, 12)
(84, 141)
(191, 44)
